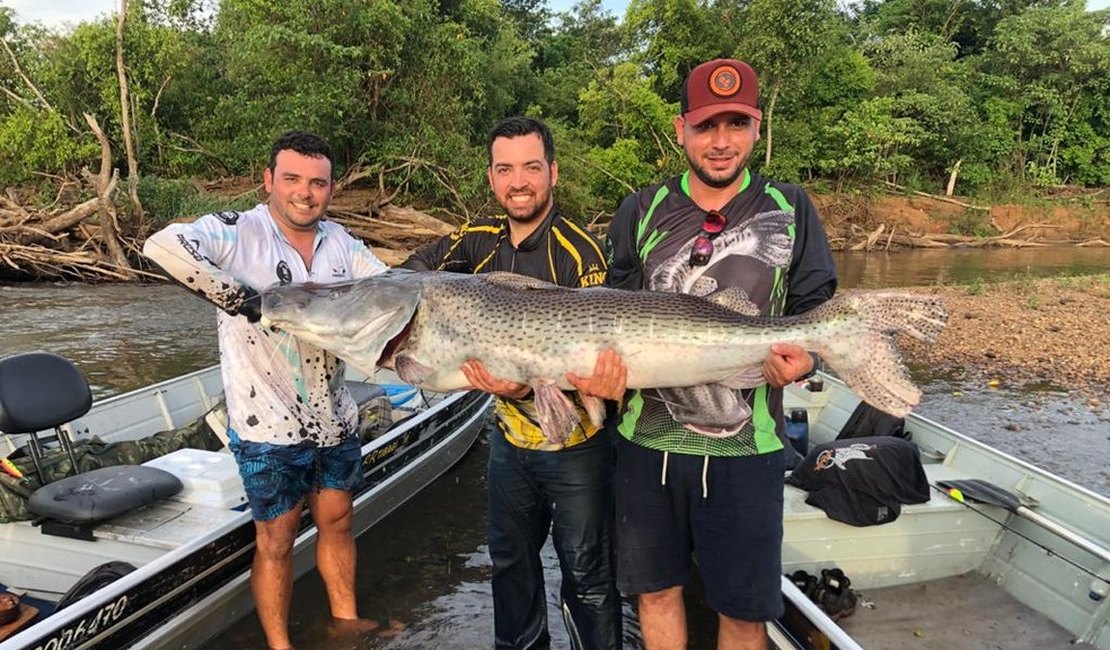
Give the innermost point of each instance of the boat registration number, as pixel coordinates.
(86, 626)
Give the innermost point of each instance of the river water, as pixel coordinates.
(426, 564)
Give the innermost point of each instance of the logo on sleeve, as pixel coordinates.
(229, 218)
(284, 274)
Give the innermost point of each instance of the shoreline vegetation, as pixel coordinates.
(912, 124)
(72, 239)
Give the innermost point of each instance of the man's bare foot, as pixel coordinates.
(366, 626)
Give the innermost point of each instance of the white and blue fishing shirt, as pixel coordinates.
(278, 389)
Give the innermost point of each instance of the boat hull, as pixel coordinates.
(189, 595)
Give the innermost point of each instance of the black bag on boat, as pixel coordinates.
(862, 481)
(867, 421)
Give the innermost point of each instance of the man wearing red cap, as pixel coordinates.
(717, 497)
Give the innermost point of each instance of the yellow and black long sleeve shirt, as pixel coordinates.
(560, 252)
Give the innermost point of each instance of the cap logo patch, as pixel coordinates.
(724, 81)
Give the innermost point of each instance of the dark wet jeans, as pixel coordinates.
(570, 493)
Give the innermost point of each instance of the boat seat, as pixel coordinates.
(39, 391)
(102, 493)
(795, 506)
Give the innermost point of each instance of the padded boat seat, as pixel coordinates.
(102, 493)
(40, 391)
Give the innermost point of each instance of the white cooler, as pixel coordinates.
(210, 478)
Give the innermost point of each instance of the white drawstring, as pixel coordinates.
(704, 474)
(704, 479)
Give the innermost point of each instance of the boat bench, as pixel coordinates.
(938, 538)
(795, 506)
(167, 524)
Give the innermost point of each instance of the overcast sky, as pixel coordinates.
(56, 13)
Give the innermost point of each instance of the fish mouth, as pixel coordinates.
(364, 321)
(396, 344)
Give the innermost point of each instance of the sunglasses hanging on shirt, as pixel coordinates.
(703, 244)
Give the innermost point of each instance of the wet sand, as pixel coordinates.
(1027, 334)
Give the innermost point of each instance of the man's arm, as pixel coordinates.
(579, 260)
(191, 254)
(625, 271)
(363, 262)
(812, 276)
(444, 254)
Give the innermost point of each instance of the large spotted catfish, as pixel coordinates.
(425, 325)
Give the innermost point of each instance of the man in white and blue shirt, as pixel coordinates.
(292, 420)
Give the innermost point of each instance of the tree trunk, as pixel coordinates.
(952, 178)
(769, 116)
(125, 122)
(105, 183)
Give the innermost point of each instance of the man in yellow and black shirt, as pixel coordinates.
(532, 481)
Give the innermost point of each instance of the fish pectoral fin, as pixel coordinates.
(595, 406)
(749, 377)
(555, 412)
(411, 371)
(713, 410)
(516, 281)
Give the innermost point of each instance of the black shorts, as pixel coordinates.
(734, 533)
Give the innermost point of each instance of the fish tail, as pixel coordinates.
(864, 353)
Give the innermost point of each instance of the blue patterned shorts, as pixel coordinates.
(277, 477)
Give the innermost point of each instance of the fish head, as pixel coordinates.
(357, 320)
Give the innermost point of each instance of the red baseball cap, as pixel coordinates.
(720, 86)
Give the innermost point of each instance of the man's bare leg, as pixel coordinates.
(663, 619)
(737, 634)
(335, 549)
(335, 559)
(272, 575)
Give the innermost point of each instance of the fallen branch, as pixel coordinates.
(936, 197)
(871, 239)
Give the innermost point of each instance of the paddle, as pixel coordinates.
(981, 491)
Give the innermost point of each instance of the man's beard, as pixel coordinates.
(716, 183)
(541, 210)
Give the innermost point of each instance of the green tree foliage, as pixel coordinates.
(874, 142)
(1013, 93)
(669, 37)
(1054, 62)
(784, 40)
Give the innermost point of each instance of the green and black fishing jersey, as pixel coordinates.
(560, 252)
(650, 235)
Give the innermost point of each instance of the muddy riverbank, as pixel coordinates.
(1051, 334)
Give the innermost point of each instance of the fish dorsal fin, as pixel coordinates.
(515, 281)
(736, 299)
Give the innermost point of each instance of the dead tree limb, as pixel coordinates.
(944, 199)
(30, 84)
(590, 163)
(125, 123)
(104, 182)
